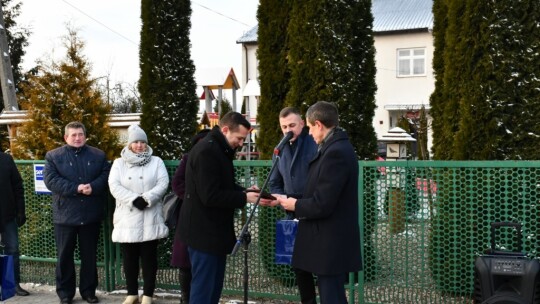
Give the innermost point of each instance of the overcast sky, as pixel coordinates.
(111, 30)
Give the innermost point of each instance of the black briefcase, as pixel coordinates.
(506, 277)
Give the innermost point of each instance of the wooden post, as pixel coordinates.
(6, 74)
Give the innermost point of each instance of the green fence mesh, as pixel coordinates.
(425, 222)
(423, 225)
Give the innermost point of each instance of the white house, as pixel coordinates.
(404, 52)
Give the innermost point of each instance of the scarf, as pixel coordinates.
(136, 159)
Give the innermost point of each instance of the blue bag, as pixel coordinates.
(285, 236)
(7, 281)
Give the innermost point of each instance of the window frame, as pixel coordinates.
(411, 60)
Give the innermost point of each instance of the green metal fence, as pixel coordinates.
(423, 224)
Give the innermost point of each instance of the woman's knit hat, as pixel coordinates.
(135, 133)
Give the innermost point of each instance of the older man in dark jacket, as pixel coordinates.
(328, 238)
(77, 176)
(211, 197)
(12, 213)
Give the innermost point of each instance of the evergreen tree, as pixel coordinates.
(58, 94)
(332, 58)
(167, 85)
(437, 100)
(487, 103)
(17, 38)
(447, 111)
(226, 107)
(505, 74)
(272, 52)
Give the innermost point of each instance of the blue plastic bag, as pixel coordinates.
(285, 236)
(7, 280)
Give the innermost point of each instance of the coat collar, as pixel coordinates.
(337, 135)
(75, 150)
(220, 139)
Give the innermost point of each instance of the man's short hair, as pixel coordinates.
(288, 111)
(325, 112)
(234, 120)
(74, 125)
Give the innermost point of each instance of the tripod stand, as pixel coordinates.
(245, 237)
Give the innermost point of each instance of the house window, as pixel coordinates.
(411, 62)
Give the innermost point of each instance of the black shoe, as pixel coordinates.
(20, 291)
(65, 301)
(91, 299)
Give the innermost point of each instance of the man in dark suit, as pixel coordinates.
(290, 176)
(12, 213)
(211, 197)
(328, 238)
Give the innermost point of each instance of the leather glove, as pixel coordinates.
(21, 219)
(140, 203)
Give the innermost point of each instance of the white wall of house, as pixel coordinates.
(392, 90)
(396, 94)
(250, 66)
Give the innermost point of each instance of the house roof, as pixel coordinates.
(202, 94)
(215, 78)
(388, 16)
(401, 15)
(249, 36)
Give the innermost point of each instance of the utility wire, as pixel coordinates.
(218, 13)
(126, 38)
(99, 22)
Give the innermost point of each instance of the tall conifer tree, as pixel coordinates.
(487, 104)
(167, 84)
(332, 58)
(437, 99)
(505, 77)
(58, 94)
(273, 17)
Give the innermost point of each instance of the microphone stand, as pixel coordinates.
(245, 237)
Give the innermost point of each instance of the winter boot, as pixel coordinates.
(131, 300)
(146, 300)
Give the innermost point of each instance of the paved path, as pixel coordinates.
(44, 294)
(40, 294)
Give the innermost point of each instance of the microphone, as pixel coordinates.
(282, 143)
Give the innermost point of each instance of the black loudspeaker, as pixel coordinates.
(503, 277)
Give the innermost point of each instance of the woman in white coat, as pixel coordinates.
(138, 182)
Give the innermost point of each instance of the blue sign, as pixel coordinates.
(39, 183)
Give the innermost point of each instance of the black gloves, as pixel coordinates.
(140, 203)
(21, 219)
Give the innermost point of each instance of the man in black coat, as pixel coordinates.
(328, 237)
(206, 221)
(12, 213)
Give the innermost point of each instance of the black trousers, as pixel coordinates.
(66, 238)
(147, 253)
(306, 286)
(331, 289)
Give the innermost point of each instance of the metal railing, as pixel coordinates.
(423, 223)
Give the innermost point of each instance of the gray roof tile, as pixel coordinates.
(388, 16)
